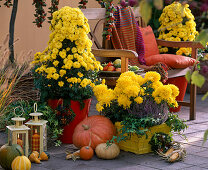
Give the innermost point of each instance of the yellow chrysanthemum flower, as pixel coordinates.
(55, 76)
(61, 83)
(62, 72)
(80, 74)
(152, 76)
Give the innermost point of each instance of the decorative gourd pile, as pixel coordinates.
(8, 153)
(93, 133)
(36, 157)
(97, 129)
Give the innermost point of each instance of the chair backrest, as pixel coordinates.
(96, 17)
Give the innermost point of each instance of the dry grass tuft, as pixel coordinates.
(14, 76)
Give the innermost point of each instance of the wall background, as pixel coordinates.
(31, 37)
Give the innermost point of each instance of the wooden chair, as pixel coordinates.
(98, 14)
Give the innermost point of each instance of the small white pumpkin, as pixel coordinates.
(107, 152)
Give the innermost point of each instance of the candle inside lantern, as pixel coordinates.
(19, 141)
(36, 141)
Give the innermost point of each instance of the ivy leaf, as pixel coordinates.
(197, 79)
(145, 10)
(158, 4)
(188, 76)
(205, 136)
(203, 37)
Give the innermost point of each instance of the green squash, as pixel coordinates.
(8, 153)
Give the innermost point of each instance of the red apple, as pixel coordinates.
(111, 68)
(110, 64)
(118, 69)
(105, 68)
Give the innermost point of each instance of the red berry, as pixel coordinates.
(109, 30)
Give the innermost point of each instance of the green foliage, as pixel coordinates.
(175, 123)
(55, 92)
(116, 113)
(188, 75)
(205, 96)
(160, 142)
(54, 126)
(203, 37)
(197, 79)
(145, 10)
(140, 126)
(131, 125)
(205, 136)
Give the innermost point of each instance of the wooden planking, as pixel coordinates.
(191, 44)
(114, 53)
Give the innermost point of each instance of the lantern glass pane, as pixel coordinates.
(21, 140)
(9, 136)
(34, 138)
(44, 137)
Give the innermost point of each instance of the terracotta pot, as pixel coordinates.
(79, 116)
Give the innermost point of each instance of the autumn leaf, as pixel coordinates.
(145, 10)
(197, 79)
(203, 37)
(205, 136)
(158, 4)
(188, 76)
(205, 96)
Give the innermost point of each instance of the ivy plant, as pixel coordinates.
(54, 125)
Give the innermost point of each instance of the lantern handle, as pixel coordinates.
(16, 108)
(35, 107)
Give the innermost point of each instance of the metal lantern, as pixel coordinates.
(18, 133)
(38, 135)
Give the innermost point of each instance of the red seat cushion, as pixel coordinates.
(150, 44)
(173, 61)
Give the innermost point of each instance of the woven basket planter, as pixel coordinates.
(140, 144)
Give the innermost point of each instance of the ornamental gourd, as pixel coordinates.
(107, 152)
(34, 157)
(8, 153)
(86, 153)
(98, 129)
(44, 156)
(21, 163)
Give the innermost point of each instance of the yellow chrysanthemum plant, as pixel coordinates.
(67, 68)
(177, 24)
(133, 94)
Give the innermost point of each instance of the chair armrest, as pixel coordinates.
(123, 54)
(114, 53)
(191, 44)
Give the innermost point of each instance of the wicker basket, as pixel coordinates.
(140, 145)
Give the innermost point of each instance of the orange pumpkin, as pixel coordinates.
(97, 129)
(86, 153)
